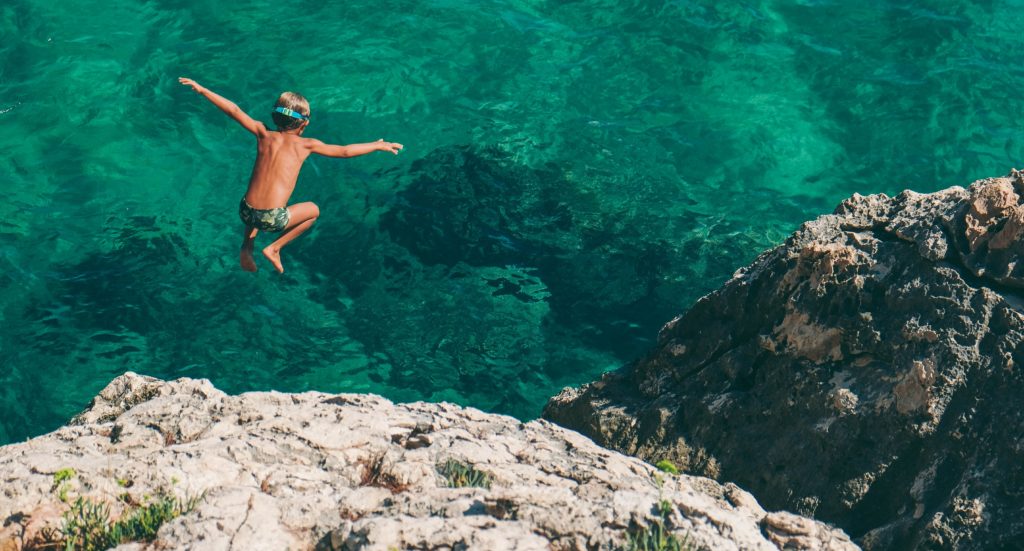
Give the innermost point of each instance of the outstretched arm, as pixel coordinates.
(227, 106)
(352, 150)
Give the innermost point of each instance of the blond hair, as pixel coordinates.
(295, 102)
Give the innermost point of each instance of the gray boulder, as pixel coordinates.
(866, 372)
(319, 471)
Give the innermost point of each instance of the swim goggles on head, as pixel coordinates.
(290, 113)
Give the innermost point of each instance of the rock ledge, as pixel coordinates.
(312, 470)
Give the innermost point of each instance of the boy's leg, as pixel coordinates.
(301, 217)
(248, 236)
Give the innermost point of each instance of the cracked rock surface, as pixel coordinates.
(867, 372)
(319, 471)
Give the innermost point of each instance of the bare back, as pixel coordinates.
(279, 157)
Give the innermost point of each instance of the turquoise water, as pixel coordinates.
(575, 174)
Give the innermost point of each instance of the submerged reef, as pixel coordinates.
(866, 372)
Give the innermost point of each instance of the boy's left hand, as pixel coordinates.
(189, 82)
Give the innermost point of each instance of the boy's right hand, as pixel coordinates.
(189, 82)
(389, 146)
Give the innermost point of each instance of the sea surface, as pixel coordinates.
(575, 174)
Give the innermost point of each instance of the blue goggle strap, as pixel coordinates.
(290, 113)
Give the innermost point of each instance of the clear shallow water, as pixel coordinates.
(575, 174)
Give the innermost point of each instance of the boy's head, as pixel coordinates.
(294, 102)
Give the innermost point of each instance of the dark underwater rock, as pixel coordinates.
(866, 372)
(604, 257)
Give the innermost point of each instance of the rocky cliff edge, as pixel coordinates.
(318, 471)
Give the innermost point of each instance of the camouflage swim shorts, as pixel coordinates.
(272, 220)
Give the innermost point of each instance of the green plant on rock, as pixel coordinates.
(667, 466)
(656, 536)
(460, 475)
(87, 525)
(60, 482)
(65, 474)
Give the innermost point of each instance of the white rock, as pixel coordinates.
(298, 471)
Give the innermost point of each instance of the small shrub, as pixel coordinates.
(65, 474)
(667, 466)
(377, 472)
(142, 524)
(87, 525)
(460, 475)
(60, 482)
(656, 537)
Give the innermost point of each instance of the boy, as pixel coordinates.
(279, 157)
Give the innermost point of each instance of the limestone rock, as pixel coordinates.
(865, 372)
(319, 471)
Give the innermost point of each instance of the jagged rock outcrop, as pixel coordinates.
(313, 470)
(866, 372)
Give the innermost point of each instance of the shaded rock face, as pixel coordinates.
(319, 471)
(866, 372)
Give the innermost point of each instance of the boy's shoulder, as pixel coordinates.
(275, 139)
(309, 143)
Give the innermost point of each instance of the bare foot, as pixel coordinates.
(274, 256)
(248, 264)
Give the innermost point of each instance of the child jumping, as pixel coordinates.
(279, 157)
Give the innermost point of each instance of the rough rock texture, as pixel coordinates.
(302, 471)
(866, 372)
